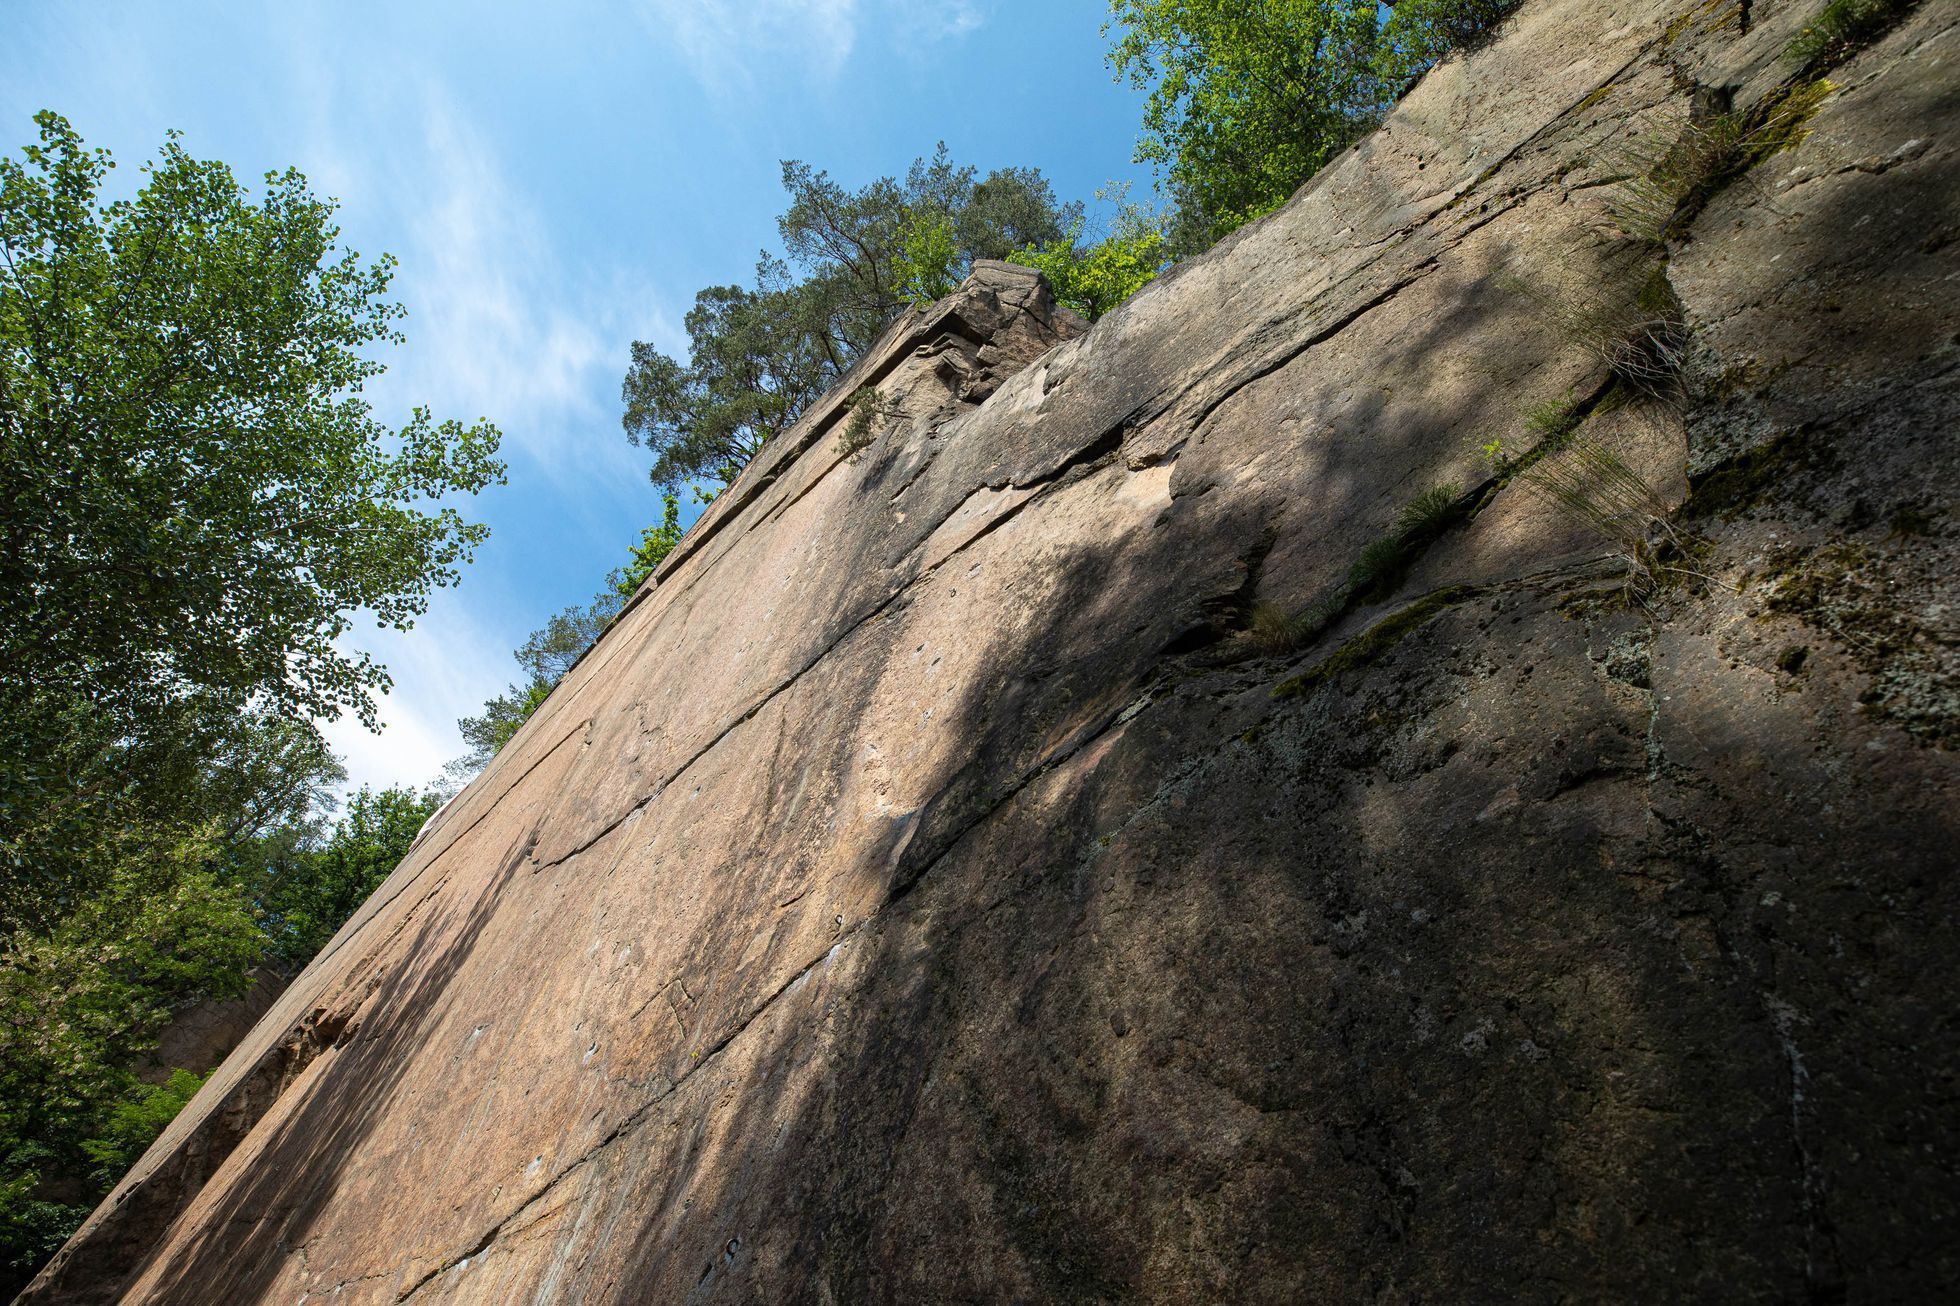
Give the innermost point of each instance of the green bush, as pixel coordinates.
(1247, 101)
(1095, 278)
(135, 1122)
(869, 409)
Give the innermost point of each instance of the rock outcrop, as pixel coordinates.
(930, 889)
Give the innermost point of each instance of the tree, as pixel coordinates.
(79, 1005)
(656, 542)
(545, 656)
(754, 366)
(194, 496)
(1249, 99)
(757, 358)
(195, 500)
(1094, 278)
(305, 895)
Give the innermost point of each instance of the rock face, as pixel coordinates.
(929, 891)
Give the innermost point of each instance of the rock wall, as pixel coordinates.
(932, 889)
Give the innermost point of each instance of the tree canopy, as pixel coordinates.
(196, 502)
(1249, 98)
(757, 357)
(194, 495)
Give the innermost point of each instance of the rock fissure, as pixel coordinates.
(1036, 950)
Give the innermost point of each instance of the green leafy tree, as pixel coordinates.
(134, 1123)
(652, 550)
(928, 257)
(1249, 98)
(1094, 278)
(195, 500)
(79, 1004)
(754, 364)
(194, 496)
(757, 358)
(309, 892)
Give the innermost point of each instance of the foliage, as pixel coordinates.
(754, 365)
(304, 894)
(1429, 514)
(656, 542)
(758, 358)
(1248, 100)
(869, 410)
(1590, 483)
(1275, 630)
(928, 258)
(1552, 421)
(80, 1002)
(196, 497)
(194, 501)
(1844, 26)
(1623, 312)
(1671, 175)
(134, 1123)
(82, 794)
(1378, 569)
(1096, 278)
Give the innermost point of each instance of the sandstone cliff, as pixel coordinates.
(929, 890)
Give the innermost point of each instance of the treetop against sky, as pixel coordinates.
(558, 183)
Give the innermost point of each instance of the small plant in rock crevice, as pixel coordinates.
(1378, 569)
(1375, 573)
(1625, 315)
(1590, 483)
(1551, 422)
(869, 409)
(1670, 175)
(1843, 27)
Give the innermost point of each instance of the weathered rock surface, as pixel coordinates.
(922, 892)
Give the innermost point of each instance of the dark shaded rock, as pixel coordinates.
(923, 894)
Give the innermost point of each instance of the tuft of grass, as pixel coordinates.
(1844, 26)
(1635, 332)
(1429, 514)
(1553, 421)
(1593, 485)
(1275, 630)
(1672, 174)
(1378, 569)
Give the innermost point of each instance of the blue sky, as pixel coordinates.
(557, 181)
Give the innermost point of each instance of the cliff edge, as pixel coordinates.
(1414, 761)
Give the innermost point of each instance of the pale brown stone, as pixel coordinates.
(922, 894)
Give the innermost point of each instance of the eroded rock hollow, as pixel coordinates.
(1117, 837)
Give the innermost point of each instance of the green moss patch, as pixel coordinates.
(1373, 642)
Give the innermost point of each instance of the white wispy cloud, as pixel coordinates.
(916, 29)
(729, 44)
(498, 324)
(722, 39)
(444, 668)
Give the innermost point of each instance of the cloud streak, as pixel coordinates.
(722, 40)
(498, 325)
